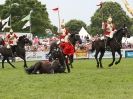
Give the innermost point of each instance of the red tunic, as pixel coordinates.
(68, 48)
(108, 28)
(11, 38)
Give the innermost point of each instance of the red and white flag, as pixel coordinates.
(55, 9)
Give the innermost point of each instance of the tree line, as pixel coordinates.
(40, 21)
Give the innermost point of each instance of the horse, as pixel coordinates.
(114, 44)
(55, 64)
(18, 50)
(73, 37)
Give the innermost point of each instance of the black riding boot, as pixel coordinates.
(108, 40)
(13, 48)
(107, 43)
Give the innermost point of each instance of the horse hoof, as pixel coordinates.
(25, 66)
(110, 65)
(101, 67)
(97, 66)
(116, 63)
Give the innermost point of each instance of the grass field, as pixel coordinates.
(84, 82)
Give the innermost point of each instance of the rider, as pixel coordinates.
(11, 39)
(67, 47)
(109, 28)
(64, 32)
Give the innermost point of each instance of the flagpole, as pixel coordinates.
(59, 20)
(10, 21)
(30, 22)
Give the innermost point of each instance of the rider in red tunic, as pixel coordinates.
(67, 48)
(64, 32)
(109, 28)
(11, 38)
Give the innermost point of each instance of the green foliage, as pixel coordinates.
(84, 82)
(118, 15)
(21, 8)
(75, 25)
(131, 28)
(54, 29)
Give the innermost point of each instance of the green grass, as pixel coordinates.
(84, 82)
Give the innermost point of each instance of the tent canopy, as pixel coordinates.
(83, 33)
(127, 40)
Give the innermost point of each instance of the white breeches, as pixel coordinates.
(111, 34)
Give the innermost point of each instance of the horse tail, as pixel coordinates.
(92, 47)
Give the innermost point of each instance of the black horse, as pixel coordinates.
(18, 50)
(55, 65)
(114, 44)
(73, 39)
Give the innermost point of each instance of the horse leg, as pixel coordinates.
(3, 60)
(66, 63)
(10, 63)
(119, 52)
(25, 64)
(100, 58)
(113, 54)
(71, 61)
(96, 54)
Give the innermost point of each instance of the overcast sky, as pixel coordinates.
(73, 9)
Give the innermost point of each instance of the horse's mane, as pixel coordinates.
(117, 33)
(22, 40)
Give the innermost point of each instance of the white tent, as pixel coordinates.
(127, 40)
(83, 33)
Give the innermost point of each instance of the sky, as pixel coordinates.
(74, 9)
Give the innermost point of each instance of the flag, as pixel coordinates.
(55, 9)
(6, 20)
(31, 11)
(5, 26)
(101, 5)
(26, 25)
(27, 18)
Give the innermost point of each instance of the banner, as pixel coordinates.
(36, 56)
(81, 54)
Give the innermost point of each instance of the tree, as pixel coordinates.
(131, 28)
(118, 14)
(75, 25)
(21, 8)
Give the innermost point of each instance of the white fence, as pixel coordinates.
(34, 56)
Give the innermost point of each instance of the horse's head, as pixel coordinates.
(24, 40)
(75, 38)
(125, 31)
(122, 32)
